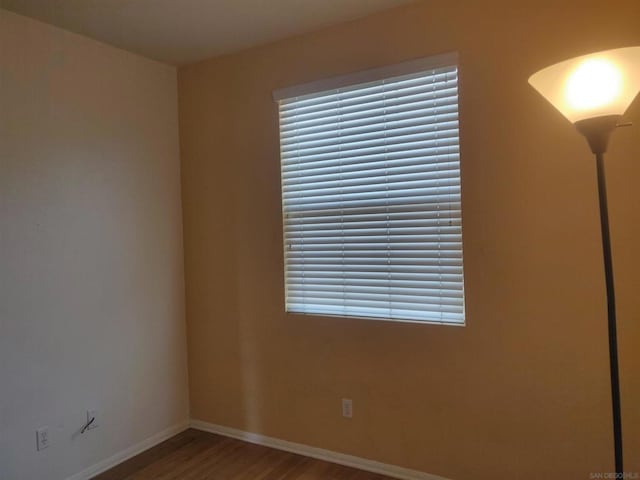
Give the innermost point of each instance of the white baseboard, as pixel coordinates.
(132, 451)
(319, 453)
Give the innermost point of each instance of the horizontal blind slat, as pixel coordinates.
(370, 137)
(426, 153)
(442, 94)
(365, 148)
(431, 107)
(366, 301)
(393, 199)
(378, 313)
(438, 75)
(429, 183)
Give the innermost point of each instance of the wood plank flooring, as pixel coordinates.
(196, 455)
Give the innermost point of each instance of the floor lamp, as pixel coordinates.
(593, 92)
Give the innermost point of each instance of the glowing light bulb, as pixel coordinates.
(594, 83)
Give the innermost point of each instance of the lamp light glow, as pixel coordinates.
(600, 84)
(595, 83)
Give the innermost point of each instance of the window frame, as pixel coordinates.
(450, 59)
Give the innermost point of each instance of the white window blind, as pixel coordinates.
(371, 198)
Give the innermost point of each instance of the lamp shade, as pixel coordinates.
(595, 85)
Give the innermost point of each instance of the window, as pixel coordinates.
(371, 194)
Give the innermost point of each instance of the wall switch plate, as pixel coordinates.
(347, 407)
(92, 414)
(42, 438)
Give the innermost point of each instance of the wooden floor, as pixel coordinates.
(196, 455)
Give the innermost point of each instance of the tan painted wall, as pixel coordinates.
(91, 262)
(522, 391)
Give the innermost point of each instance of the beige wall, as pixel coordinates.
(91, 263)
(522, 391)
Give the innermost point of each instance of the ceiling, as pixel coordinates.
(185, 31)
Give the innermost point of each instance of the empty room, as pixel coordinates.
(319, 239)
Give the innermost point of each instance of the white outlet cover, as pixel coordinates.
(347, 408)
(42, 438)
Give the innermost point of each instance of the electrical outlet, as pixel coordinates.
(92, 414)
(347, 407)
(42, 438)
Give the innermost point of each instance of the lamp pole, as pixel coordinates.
(593, 92)
(597, 131)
